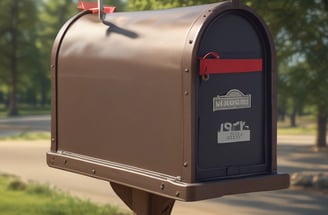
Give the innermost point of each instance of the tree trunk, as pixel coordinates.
(326, 4)
(293, 119)
(13, 110)
(322, 128)
(281, 114)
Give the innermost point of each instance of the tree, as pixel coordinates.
(27, 32)
(17, 21)
(300, 29)
(52, 15)
(119, 4)
(162, 4)
(291, 90)
(301, 34)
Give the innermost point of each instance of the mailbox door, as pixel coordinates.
(234, 103)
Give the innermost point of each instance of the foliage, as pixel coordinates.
(119, 4)
(18, 197)
(17, 33)
(162, 4)
(27, 31)
(28, 28)
(300, 32)
(27, 110)
(52, 15)
(306, 126)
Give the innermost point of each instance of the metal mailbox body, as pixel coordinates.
(130, 106)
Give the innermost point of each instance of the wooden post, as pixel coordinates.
(143, 203)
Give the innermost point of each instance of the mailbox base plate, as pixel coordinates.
(163, 185)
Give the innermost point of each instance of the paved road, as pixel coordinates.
(17, 125)
(27, 159)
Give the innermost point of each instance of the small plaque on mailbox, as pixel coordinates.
(233, 100)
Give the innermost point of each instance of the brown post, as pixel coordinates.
(143, 203)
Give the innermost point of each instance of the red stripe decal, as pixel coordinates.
(222, 66)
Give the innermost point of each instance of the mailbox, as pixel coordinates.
(177, 102)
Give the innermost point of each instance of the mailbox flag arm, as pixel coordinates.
(216, 65)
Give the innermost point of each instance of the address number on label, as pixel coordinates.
(234, 132)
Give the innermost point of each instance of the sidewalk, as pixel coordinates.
(307, 167)
(17, 125)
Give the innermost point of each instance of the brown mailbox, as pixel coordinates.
(177, 102)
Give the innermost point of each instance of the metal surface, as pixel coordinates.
(101, 13)
(126, 103)
(109, 110)
(173, 188)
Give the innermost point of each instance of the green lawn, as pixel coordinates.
(305, 126)
(26, 110)
(17, 198)
(28, 136)
(296, 131)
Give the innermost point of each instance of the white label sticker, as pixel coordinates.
(234, 132)
(234, 99)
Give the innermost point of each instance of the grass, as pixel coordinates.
(28, 136)
(296, 131)
(18, 197)
(305, 126)
(26, 110)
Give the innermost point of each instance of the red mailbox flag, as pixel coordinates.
(93, 7)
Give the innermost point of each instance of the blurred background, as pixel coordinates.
(300, 31)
